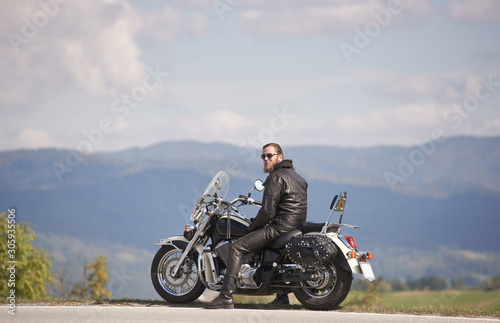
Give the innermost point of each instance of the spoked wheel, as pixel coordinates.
(327, 289)
(185, 287)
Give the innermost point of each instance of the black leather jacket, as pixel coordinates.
(284, 201)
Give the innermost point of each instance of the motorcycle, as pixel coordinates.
(315, 262)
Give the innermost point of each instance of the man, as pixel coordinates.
(284, 208)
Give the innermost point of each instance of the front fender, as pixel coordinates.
(173, 241)
(178, 242)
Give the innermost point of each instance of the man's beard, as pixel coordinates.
(269, 168)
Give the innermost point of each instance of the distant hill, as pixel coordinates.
(456, 165)
(120, 203)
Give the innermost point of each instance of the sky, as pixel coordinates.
(108, 75)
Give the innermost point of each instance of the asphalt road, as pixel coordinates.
(64, 314)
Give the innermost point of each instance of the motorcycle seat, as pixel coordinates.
(280, 242)
(308, 227)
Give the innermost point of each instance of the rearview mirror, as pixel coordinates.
(258, 185)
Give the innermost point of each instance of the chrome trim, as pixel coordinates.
(170, 242)
(201, 268)
(246, 276)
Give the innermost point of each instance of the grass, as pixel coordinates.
(476, 299)
(468, 303)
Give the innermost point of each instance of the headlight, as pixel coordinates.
(189, 232)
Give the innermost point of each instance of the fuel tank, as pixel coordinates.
(237, 225)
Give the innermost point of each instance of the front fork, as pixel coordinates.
(194, 242)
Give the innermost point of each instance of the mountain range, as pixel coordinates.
(429, 209)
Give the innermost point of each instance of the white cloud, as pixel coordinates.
(419, 9)
(423, 87)
(215, 124)
(166, 24)
(445, 88)
(120, 124)
(229, 126)
(307, 17)
(90, 45)
(479, 11)
(33, 138)
(401, 117)
(89, 53)
(258, 93)
(101, 55)
(401, 125)
(310, 17)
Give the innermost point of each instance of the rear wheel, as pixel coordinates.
(185, 287)
(327, 289)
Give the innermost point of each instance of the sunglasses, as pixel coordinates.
(269, 156)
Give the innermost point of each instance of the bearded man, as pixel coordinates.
(284, 208)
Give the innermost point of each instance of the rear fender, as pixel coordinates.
(347, 263)
(342, 261)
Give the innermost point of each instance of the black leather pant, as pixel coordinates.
(253, 241)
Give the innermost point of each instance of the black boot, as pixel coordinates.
(225, 298)
(281, 298)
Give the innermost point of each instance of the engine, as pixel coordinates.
(246, 273)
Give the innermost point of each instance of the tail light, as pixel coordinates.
(363, 256)
(350, 240)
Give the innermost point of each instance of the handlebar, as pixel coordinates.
(246, 200)
(242, 198)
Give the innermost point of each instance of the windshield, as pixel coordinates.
(219, 185)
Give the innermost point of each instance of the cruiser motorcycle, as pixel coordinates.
(315, 262)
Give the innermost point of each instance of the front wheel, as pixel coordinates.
(185, 287)
(327, 289)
